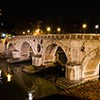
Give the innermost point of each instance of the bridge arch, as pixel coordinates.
(90, 64)
(26, 50)
(10, 47)
(55, 52)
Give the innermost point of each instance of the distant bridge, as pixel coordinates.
(80, 53)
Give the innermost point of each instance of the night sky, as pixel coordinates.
(68, 11)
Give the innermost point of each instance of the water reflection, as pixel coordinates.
(9, 77)
(30, 96)
(38, 86)
(41, 86)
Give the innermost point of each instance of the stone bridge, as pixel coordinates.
(80, 53)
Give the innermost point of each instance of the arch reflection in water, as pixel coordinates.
(39, 87)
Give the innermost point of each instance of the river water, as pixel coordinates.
(22, 83)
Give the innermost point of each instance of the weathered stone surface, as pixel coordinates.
(82, 49)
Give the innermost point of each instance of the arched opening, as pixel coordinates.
(10, 49)
(56, 55)
(62, 59)
(26, 51)
(92, 69)
(61, 56)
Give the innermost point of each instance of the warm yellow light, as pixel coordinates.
(8, 77)
(58, 29)
(48, 29)
(23, 32)
(84, 26)
(3, 40)
(28, 31)
(37, 30)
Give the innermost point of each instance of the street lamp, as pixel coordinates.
(48, 29)
(28, 31)
(96, 27)
(58, 30)
(23, 32)
(37, 31)
(84, 27)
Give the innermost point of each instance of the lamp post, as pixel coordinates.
(23, 32)
(96, 27)
(58, 30)
(48, 29)
(28, 31)
(84, 27)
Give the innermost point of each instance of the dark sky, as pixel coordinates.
(60, 11)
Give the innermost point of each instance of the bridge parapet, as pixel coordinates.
(60, 36)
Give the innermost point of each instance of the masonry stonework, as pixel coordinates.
(82, 52)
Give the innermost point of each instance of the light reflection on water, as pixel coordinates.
(28, 82)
